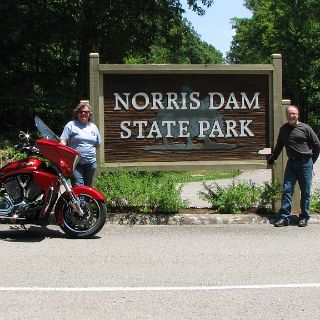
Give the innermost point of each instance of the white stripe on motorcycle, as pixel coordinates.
(196, 288)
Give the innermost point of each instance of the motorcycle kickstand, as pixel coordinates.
(24, 227)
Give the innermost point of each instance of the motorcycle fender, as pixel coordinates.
(92, 192)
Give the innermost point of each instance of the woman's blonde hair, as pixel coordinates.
(79, 107)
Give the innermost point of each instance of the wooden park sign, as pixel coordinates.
(178, 117)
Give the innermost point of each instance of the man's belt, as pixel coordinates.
(300, 157)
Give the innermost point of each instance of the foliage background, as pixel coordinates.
(45, 46)
(291, 28)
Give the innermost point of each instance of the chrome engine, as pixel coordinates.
(19, 195)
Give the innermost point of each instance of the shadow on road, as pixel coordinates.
(32, 234)
(16, 233)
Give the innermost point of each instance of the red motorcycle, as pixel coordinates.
(33, 188)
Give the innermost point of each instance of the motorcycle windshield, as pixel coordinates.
(45, 130)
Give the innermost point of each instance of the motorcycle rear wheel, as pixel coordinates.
(93, 220)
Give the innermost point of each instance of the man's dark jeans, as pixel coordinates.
(299, 169)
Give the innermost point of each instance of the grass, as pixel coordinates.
(200, 175)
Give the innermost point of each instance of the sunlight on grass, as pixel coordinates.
(201, 175)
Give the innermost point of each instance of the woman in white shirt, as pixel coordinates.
(82, 135)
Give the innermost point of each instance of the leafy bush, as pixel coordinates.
(8, 153)
(141, 192)
(315, 201)
(271, 191)
(240, 197)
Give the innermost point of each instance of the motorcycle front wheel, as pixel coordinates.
(93, 220)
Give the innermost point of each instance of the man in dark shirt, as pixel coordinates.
(302, 147)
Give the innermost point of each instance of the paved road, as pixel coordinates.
(162, 272)
(191, 191)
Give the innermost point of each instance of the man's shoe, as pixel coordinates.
(281, 223)
(302, 223)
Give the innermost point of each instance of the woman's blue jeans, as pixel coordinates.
(83, 174)
(297, 170)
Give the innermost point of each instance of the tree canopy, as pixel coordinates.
(45, 48)
(289, 27)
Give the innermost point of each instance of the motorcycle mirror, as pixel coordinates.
(24, 136)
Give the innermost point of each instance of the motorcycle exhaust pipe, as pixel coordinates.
(11, 220)
(6, 207)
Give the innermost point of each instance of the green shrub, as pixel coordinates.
(315, 201)
(240, 197)
(141, 192)
(8, 153)
(271, 191)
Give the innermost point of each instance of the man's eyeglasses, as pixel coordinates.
(82, 111)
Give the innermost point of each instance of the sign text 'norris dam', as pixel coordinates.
(185, 115)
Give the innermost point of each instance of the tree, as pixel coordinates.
(45, 48)
(179, 45)
(289, 27)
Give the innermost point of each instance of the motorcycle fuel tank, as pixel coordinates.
(26, 165)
